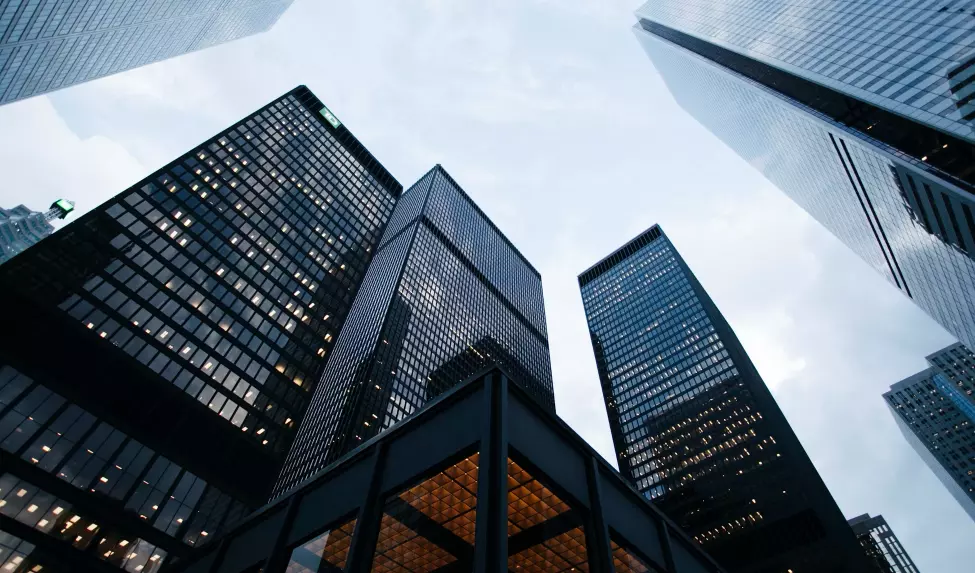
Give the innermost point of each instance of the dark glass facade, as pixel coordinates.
(935, 410)
(51, 44)
(695, 428)
(446, 295)
(906, 56)
(881, 545)
(161, 350)
(894, 183)
(484, 479)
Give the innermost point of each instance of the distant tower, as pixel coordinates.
(862, 112)
(20, 227)
(47, 45)
(881, 545)
(695, 428)
(935, 410)
(446, 295)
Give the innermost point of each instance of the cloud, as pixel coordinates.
(43, 160)
(552, 118)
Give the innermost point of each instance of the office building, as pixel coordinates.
(881, 545)
(483, 478)
(695, 428)
(20, 227)
(935, 410)
(47, 45)
(859, 111)
(446, 295)
(160, 350)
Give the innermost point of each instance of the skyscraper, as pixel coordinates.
(20, 227)
(160, 350)
(446, 295)
(695, 428)
(860, 111)
(46, 45)
(881, 545)
(935, 410)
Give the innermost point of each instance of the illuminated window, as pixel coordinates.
(544, 533)
(331, 548)
(430, 525)
(626, 561)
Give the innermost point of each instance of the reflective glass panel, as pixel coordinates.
(431, 525)
(544, 533)
(331, 548)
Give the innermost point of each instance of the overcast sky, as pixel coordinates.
(551, 117)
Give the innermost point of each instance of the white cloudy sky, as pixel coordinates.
(554, 121)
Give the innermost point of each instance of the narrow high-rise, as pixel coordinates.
(881, 545)
(47, 45)
(160, 351)
(20, 227)
(695, 428)
(862, 112)
(447, 295)
(935, 410)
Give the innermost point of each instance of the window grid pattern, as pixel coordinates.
(227, 273)
(879, 542)
(906, 56)
(861, 195)
(232, 270)
(328, 551)
(691, 431)
(47, 513)
(50, 44)
(936, 411)
(64, 440)
(430, 525)
(428, 316)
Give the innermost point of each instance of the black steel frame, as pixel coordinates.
(488, 414)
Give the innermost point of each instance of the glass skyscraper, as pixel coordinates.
(20, 227)
(160, 351)
(695, 428)
(446, 296)
(881, 545)
(935, 410)
(51, 44)
(860, 111)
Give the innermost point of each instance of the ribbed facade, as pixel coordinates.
(446, 296)
(935, 410)
(162, 349)
(51, 44)
(695, 428)
(836, 106)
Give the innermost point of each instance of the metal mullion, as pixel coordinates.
(665, 545)
(181, 530)
(110, 457)
(189, 336)
(54, 416)
(491, 533)
(74, 449)
(368, 519)
(169, 492)
(216, 255)
(279, 211)
(20, 397)
(264, 217)
(229, 394)
(597, 534)
(276, 560)
(141, 475)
